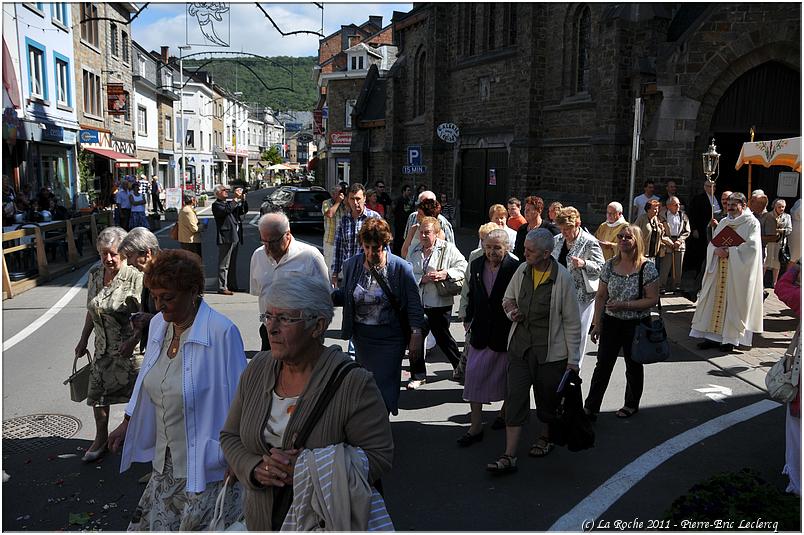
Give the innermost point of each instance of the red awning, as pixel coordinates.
(10, 77)
(312, 163)
(120, 159)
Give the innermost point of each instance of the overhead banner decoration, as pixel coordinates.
(118, 99)
(208, 24)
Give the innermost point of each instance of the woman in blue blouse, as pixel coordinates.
(380, 325)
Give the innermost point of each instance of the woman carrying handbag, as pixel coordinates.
(618, 311)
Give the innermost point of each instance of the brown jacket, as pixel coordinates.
(356, 416)
(682, 237)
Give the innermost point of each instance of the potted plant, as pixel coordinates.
(202, 200)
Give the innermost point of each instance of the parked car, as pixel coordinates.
(301, 205)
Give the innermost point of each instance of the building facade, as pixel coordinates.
(196, 132)
(48, 99)
(235, 117)
(166, 97)
(146, 112)
(492, 100)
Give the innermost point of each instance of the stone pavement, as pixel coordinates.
(749, 364)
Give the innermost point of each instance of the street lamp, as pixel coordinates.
(181, 111)
(237, 95)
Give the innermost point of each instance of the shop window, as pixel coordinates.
(92, 93)
(142, 121)
(37, 81)
(89, 23)
(63, 78)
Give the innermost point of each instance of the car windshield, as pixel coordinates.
(281, 195)
(311, 197)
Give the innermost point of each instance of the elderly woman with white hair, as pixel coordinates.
(606, 233)
(487, 329)
(140, 247)
(280, 388)
(113, 294)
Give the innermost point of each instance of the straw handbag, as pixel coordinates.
(79, 380)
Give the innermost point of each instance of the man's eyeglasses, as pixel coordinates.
(275, 241)
(283, 319)
(624, 237)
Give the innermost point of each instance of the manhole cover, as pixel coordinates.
(36, 431)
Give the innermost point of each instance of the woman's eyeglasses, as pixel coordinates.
(624, 237)
(283, 319)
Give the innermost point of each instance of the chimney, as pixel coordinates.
(376, 20)
(165, 54)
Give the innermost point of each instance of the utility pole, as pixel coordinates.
(181, 112)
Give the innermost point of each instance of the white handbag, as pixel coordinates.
(218, 517)
(591, 285)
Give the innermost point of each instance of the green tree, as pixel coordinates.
(271, 155)
(86, 171)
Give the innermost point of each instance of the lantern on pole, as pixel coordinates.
(711, 162)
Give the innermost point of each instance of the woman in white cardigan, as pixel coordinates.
(188, 379)
(580, 253)
(434, 260)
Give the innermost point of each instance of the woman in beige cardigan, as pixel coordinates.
(278, 391)
(189, 229)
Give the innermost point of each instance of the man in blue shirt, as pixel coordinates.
(346, 245)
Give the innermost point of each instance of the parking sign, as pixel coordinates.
(414, 165)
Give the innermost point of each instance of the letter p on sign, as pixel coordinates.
(414, 155)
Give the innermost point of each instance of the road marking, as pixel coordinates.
(598, 502)
(715, 392)
(52, 311)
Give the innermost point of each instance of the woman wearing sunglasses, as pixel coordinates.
(619, 306)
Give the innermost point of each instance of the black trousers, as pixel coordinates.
(615, 334)
(438, 323)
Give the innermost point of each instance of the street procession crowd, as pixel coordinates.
(299, 437)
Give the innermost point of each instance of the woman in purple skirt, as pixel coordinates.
(487, 329)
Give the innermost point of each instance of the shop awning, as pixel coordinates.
(312, 163)
(219, 155)
(119, 159)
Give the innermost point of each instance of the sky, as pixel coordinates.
(248, 29)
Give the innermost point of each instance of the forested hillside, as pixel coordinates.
(269, 84)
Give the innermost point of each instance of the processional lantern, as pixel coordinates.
(711, 162)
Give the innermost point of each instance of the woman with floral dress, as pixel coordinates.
(113, 294)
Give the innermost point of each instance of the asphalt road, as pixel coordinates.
(636, 469)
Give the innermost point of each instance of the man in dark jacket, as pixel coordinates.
(228, 220)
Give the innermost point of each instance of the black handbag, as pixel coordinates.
(283, 496)
(395, 304)
(650, 337)
(571, 426)
(784, 252)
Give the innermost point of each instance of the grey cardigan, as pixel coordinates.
(356, 416)
(565, 315)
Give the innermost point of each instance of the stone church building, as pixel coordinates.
(542, 96)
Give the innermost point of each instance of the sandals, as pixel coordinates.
(541, 447)
(505, 464)
(626, 412)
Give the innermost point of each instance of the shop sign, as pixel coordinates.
(118, 99)
(12, 126)
(89, 136)
(449, 132)
(340, 138)
(53, 132)
(69, 137)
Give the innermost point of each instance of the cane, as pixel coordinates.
(673, 267)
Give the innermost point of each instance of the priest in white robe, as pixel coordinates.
(729, 307)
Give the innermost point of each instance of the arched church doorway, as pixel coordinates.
(767, 97)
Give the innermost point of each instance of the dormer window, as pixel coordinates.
(358, 63)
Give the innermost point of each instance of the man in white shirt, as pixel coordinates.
(280, 255)
(638, 206)
(676, 231)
